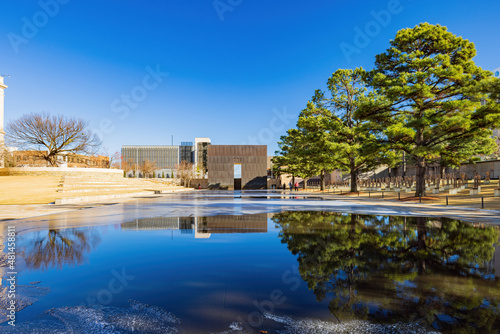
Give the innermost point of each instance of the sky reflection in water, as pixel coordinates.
(214, 271)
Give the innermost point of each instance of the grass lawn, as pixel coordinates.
(28, 189)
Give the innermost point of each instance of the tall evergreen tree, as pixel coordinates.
(456, 152)
(344, 137)
(318, 149)
(293, 156)
(435, 96)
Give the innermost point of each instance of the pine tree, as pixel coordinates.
(343, 141)
(293, 156)
(435, 96)
(317, 148)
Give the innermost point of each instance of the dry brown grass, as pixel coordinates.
(28, 189)
(16, 190)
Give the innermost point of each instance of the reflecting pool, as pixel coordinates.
(283, 272)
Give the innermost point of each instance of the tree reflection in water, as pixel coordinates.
(55, 247)
(436, 272)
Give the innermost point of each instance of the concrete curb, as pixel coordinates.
(96, 198)
(83, 199)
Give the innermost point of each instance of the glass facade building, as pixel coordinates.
(163, 156)
(186, 152)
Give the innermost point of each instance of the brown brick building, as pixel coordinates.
(236, 167)
(35, 159)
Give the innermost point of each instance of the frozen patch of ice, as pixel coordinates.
(82, 320)
(154, 311)
(314, 326)
(26, 295)
(236, 326)
(138, 318)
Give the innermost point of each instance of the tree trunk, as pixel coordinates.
(354, 176)
(420, 177)
(441, 169)
(305, 183)
(322, 185)
(421, 243)
(354, 219)
(51, 159)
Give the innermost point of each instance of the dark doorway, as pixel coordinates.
(237, 176)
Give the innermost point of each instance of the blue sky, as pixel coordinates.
(239, 71)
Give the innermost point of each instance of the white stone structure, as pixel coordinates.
(2, 133)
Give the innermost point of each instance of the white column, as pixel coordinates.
(2, 133)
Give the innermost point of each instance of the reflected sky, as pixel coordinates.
(211, 271)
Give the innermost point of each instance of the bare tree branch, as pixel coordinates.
(185, 172)
(53, 134)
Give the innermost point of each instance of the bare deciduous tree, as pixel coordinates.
(52, 134)
(185, 172)
(129, 166)
(148, 167)
(115, 160)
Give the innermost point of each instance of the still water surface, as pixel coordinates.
(287, 272)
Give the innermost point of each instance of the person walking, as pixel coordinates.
(284, 186)
(290, 185)
(296, 186)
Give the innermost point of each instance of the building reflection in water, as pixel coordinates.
(202, 227)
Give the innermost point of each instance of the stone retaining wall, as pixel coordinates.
(62, 171)
(202, 182)
(480, 167)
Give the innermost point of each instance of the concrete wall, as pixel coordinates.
(202, 182)
(61, 171)
(253, 160)
(481, 167)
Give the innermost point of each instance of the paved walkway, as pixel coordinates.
(361, 205)
(21, 211)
